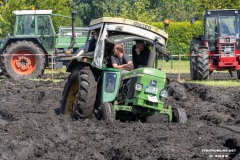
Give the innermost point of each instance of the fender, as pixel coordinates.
(10, 40)
(72, 65)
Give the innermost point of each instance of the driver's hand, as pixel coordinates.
(73, 57)
(137, 51)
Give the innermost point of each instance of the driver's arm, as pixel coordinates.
(128, 66)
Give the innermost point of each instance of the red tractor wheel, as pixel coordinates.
(23, 59)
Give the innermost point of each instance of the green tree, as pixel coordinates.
(85, 10)
(89, 10)
(61, 7)
(175, 10)
(108, 8)
(138, 10)
(203, 5)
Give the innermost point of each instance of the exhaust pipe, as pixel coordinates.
(73, 30)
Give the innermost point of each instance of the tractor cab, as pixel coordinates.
(119, 30)
(220, 24)
(35, 23)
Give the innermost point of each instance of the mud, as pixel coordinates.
(35, 130)
(214, 76)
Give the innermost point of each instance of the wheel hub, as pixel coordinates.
(23, 63)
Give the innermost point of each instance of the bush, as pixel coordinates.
(180, 35)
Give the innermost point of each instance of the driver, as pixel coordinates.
(140, 54)
(224, 30)
(92, 43)
(121, 60)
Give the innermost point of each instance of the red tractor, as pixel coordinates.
(219, 48)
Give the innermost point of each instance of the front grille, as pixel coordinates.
(227, 50)
(131, 87)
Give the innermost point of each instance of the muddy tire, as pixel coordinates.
(107, 113)
(238, 74)
(87, 93)
(202, 64)
(23, 59)
(179, 115)
(70, 93)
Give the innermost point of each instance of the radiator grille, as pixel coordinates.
(227, 50)
(132, 87)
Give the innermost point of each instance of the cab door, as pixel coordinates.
(46, 32)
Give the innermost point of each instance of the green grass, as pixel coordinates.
(175, 66)
(54, 71)
(183, 66)
(48, 79)
(227, 83)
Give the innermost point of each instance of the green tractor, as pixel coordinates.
(35, 46)
(95, 88)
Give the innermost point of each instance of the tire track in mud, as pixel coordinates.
(219, 76)
(36, 131)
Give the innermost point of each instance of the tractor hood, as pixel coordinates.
(144, 71)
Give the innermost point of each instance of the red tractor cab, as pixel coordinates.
(219, 48)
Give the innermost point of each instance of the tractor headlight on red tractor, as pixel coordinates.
(138, 87)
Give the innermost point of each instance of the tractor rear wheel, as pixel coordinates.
(193, 66)
(179, 115)
(238, 74)
(79, 95)
(70, 93)
(202, 64)
(107, 113)
(23, 59)
(87, 92)
(194, 46)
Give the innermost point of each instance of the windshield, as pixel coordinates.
(25, 25)
(224, 26)
(131, 42)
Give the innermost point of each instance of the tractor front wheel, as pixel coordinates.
(179, 115)
(106, 112)
(23, 59)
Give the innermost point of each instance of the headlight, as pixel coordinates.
(138, 87)
(164, 93)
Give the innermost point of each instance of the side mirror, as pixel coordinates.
(166, 23)
(192, 20)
